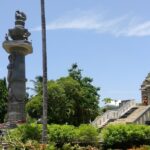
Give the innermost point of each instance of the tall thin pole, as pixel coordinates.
(44, 53)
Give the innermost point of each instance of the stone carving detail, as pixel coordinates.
(6, 37)
(19, 32)
(20, 16)
(10, 68)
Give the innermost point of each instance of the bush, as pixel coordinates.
(25, 132)
(61, 134)
(67, 146)
(87, 134)
(125, 136)
(34, 107)
(30, 131)
(51, 146)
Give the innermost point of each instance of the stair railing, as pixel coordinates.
(100, 121)
(125, 108)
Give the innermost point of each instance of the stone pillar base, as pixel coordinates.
(16, 112)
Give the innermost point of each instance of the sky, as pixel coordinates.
(108, 39)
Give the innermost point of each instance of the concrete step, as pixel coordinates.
(136, 114)
(133, 116)
(129, 112)
(121, 121)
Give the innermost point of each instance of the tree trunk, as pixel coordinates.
(44, 53)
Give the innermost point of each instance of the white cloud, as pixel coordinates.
(141, 29)
(120, 26)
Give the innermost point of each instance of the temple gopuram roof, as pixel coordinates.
(146, 83)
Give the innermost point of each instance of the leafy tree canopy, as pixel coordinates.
(71, 99)
(107, 100)
(3, 99)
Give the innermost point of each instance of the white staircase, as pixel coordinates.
(112, 115)
(139, 116)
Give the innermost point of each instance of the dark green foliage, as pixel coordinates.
(30, 131)
(84, 134)
(72, 99)
(88, 134)
(59, 109)
(86, 102)
(34, 107)
(125, 136)
(27, 132)
(59, 135)
(37, 84)
(68, 146)
(3, 99)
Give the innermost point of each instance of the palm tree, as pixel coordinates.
(44, 53)
(107, 100)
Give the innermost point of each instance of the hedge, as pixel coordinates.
(125, 136)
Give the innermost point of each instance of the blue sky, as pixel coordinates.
(110, 41)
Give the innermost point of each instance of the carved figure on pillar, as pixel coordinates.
(10, 67)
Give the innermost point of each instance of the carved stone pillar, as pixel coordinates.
(18, 47)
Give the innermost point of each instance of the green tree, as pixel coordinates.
(73, 95)
(38, 87)
(87, 103)
(34, 107)
(71, 99)
(59, 108)
(3, 99)
(107, 100)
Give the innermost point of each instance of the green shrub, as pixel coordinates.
(51, 146)
(125, 136)
(61, 134)
(34, 107)
(32, 144)
(30, 132)
(25, 132)
(67, 146)
(87, 134)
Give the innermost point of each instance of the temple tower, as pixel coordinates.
(17, 45)
(145, 90)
